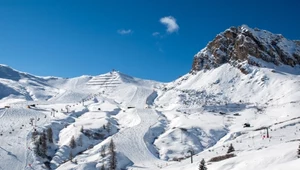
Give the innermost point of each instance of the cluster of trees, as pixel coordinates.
(97, 134)
(111, 151)
(112, 163)
(111, 148)
(41, 141)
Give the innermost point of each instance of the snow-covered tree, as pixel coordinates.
(103, 151)
(50, 135)
(230, 149)
(102, 167)
(72, 143)
(202, 165)
(113, 156)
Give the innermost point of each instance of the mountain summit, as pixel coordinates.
(238, 45)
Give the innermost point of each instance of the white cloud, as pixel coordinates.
(170, 23)
(155, 34)
(123, 31)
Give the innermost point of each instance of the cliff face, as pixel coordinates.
(242, 44)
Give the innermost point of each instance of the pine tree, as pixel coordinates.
(34, 135)
(43, 144)
(108, 127)
(230, 149)
(103, 151)
(202, 165)
(71, 156)
(37, 149)
(102, 167)
(299, 151)
(80, 141)
(50, 135)
(113, 156)
(72, 143)
(81, 129)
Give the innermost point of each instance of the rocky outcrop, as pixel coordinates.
(242, 44)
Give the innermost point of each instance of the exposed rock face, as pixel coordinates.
(239, 44)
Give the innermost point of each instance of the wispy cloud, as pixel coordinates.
(124, 32)
(155, 34)
(159, 46)
(170, 23)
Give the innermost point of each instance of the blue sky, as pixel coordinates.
(137, 37)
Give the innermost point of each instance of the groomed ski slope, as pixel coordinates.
(132, 144)
(130, 141)
(144, 126)
(15, 129)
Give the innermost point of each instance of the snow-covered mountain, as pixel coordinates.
(243, 76)
(244, 45)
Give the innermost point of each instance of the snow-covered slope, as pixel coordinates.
(158, 125)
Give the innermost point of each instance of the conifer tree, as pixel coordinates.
(72, 143)
(37, 149)
(202, 165)
(71, 156)
(102, 167)
(108, 127)
(50, 135)
(80, 141)
(299, 151)
(81, 129)
(43, 144)
(113, 156)
(230, 149)
(103, 151)
(34, 136)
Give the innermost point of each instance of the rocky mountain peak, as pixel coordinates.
(242, 44)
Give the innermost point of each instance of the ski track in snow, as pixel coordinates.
(131, 140)
(3, 114)
(181, 104)
(14, 151)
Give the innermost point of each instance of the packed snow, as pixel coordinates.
(153, 125)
